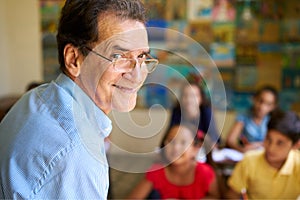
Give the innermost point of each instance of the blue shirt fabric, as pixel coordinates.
(251, 131)
(52, 145)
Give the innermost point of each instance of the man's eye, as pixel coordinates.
(143, 55)
(117, 55)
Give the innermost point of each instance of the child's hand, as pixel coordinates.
(252, 146)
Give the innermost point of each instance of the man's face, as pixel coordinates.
(105, 82)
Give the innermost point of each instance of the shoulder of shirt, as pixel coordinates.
(253, 154)
(244, 116)
(155, 167)
(245, 113)
(296, 161)
(203, 166)
(296, 155)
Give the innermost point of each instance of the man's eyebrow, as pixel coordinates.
(147, 51)
(118, 47)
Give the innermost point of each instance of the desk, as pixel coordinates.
(224, 161)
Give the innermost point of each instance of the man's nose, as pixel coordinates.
(138, 73)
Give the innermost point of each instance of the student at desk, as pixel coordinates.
(179, 175)
(273, 173)
(249, 130)
(194, 107)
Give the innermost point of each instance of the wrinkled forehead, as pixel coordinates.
(130, 40)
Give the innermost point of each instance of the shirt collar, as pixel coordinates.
(288, 166)
(95, 115)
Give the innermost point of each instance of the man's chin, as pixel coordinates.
(124, 108)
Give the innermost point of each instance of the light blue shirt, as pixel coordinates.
(252, 131)
(52, 145)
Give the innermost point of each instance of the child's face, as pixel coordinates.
(179, 145)
(277, 147)
(191, 99)
(264, 103)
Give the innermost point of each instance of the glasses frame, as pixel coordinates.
(115, 59)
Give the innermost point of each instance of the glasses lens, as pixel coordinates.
(151, 65)
(127, 65)
(124, 64)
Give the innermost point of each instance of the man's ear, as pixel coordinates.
(73, 60)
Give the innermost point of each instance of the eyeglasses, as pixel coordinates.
(123, 64)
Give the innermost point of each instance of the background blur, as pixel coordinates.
(253, 42)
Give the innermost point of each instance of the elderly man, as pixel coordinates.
(52, 140)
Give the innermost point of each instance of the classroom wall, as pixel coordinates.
(20, 49)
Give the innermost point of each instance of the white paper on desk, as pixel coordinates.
(219, 155)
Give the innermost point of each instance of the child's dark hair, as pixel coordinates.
(198, 136)
(205, 99)
(267, 88)
(287, 123)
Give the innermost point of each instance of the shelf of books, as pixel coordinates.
(238, 44)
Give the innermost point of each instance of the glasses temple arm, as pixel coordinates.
(97, 54)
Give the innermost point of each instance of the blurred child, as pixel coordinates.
(193, 107)
(250, 129)
(180, 176)
(272, 173)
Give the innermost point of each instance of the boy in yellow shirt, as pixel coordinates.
(272, 173)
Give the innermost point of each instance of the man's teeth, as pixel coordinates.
(124, 88)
